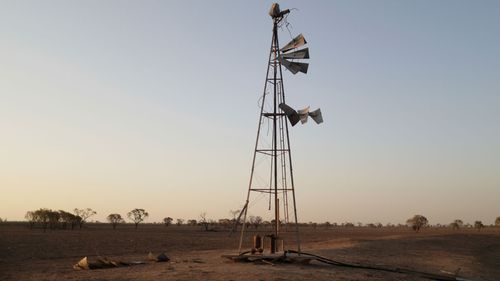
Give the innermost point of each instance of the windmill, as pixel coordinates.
(272, 148)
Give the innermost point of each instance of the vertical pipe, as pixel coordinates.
(275, 145)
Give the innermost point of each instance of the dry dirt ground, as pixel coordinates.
(196, 255)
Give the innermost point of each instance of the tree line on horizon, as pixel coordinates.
(418, 222)
(54, 219)
(60, 219)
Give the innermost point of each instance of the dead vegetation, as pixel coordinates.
(195, 254)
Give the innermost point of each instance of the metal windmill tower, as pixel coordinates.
(272, 148)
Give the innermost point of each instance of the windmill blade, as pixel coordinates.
(295, 43)
(303, 114)
(300, 54)
(294, 67)
(287, 109)
(292, 115)
(316, 116)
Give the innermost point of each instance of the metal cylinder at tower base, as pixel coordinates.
(273, 244)
(258, 244)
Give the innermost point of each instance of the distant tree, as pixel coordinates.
(31, 218)
(203, 221)
(478, 225)
(46, 217)
(417, 222)
(64, 219)
(256, 221)
(192, 222)
(497, 221)
(115, 219)
(42, 216)
(179, 222)
(347, 224)
(84, 214)
(235, 219)
(249, 221)
(68, 218)
(457, 224)
(224, 223)
(234, 214)
(137, 216)
(54, 218)
(168, 221)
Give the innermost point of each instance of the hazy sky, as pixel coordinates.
(116, 105)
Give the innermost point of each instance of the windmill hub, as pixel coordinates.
(275, 12)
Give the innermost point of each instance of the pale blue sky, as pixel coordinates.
(116, 105)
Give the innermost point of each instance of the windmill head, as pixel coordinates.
(275, 11)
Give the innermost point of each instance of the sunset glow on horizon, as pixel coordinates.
(119, 105)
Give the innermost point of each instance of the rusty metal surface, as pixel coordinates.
(300, 54)
(294, 67)
(295, 43)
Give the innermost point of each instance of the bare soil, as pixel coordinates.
(196, 254)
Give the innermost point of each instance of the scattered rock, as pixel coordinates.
(162, 258)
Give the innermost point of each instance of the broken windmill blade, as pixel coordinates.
(291, 113)
(294, 116)
(293, 66)
(303, 114)
(300, 54)
(316, 116)
(296, 42)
